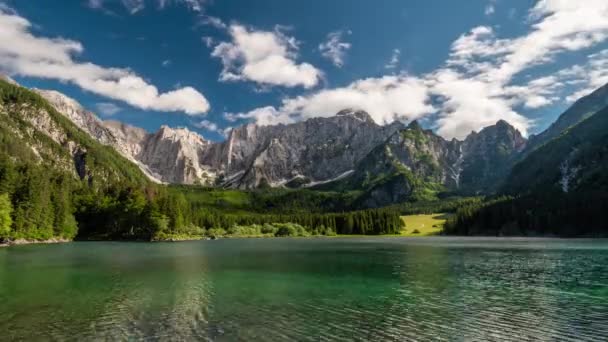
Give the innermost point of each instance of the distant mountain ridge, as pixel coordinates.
(344, 152)
(341, 148)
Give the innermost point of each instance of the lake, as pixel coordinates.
(367, 289)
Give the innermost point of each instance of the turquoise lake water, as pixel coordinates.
(367, 289)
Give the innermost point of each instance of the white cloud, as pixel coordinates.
(394, 61)
(212, 21)
(334, 48)
(166, 63)
(107, 108)
(213, 127)
(477, 85)
(264, 57)
(24, 54)
(469, 104)
(589, 76)
(386, 99)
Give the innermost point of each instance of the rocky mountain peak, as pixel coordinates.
(74, 111)
(358, 114)
(59, 100)
(503, 124)
(500, 133)
(182, 134)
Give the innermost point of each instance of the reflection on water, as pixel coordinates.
(308, 289)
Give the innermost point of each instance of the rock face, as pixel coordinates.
(488, 156)
(110, 135)
(175, 156)
(84, 119)
(301, 154)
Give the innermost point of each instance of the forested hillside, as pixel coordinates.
(57, 182)
(561, 188)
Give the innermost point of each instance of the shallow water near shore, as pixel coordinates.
(307, 289)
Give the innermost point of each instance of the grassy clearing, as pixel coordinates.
(423, 225)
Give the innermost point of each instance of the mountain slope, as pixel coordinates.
(96, 128)
(579, 111)
(412, 164)
(558, 188)
(577, 160)
(417, 164)
(56, 141)
(53, 173)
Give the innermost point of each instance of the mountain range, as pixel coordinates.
(345, 148)
(344, 152)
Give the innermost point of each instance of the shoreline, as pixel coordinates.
(22, 242)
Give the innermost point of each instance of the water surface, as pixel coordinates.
(307, 289)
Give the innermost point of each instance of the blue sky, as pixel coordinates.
(210, 65)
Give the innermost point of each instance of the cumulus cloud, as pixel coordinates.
(386, 99)
(25, 54)
(334, 48)
(107, 108)
(484, 65)
(264, 57)
(477, 85)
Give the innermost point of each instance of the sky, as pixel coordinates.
(210, 65)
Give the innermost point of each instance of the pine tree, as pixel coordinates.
(6, 209)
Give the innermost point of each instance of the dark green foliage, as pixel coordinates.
(584, 146)
(557, 214)
(6, 209)
(445, 205)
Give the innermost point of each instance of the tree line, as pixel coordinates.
(37, 203)
(547, 214)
